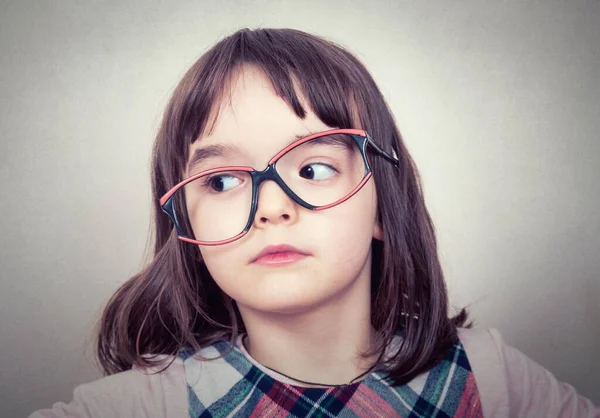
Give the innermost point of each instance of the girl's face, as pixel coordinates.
(336, 242)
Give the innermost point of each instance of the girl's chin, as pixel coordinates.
(285, 311)
(285, 304)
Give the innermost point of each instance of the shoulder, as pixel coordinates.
(139, 392)
(481, 348)
(511, 384)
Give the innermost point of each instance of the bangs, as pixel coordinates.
(297, 66)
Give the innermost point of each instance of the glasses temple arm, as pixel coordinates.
(392, 159)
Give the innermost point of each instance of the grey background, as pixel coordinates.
(498, 102)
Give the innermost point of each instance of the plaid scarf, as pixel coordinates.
(232, 386)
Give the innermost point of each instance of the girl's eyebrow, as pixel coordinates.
(219, 150)
(210, 151)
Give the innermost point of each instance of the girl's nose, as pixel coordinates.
(274, 206)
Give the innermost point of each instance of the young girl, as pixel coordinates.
(295, 269)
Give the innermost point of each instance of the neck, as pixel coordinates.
(321, 345)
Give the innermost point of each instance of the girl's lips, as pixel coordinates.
(279, 258)
(279, 255)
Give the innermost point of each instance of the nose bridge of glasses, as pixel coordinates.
(270, 173)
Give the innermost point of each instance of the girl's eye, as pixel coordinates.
(223, 183)
(317, 171)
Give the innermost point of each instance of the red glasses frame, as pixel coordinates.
(362, 139)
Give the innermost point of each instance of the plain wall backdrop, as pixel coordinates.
(498, 103)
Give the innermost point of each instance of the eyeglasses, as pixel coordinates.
(218, 206)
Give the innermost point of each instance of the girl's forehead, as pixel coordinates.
(254, 146)
(253, 122)
(250, 105)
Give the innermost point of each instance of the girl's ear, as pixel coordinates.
(378, 231)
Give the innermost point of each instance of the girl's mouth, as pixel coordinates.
(275, 255)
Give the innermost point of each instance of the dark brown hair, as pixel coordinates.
(174, 302)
